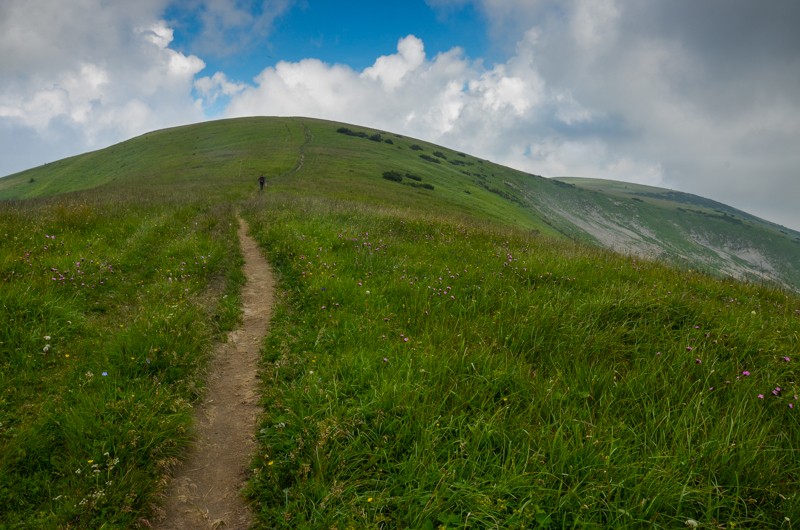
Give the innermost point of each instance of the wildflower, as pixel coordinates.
(104, 374)
(787, 359)
(761, 396)
(698, 361)
(386, 360)
(791, 405)
(689, 348)
(369, 500)
(47, 337)
(776, 391)
(46, 348)
(745, 373)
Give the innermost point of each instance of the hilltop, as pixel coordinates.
(649, 222)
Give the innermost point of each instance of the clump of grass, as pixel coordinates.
(426, 373)
(107, 320)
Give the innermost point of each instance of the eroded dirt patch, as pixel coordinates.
(206, 489)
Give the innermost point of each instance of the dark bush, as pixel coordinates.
(376, 137)
(439, 154)
(389, 141)
(413, 177)
(394, 176)
(415, 147)
(348, 132)
(430, 159)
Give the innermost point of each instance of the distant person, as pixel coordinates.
(261, 182)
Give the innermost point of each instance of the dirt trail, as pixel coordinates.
(205, 492)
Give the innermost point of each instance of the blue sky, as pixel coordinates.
(702, 97)
(354, 35)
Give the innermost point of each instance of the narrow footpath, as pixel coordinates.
(205, 492)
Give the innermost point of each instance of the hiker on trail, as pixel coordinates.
(261, 181)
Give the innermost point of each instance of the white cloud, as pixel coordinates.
(88, 76)
(391, 69)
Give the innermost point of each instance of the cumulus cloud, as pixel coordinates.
(88, 76)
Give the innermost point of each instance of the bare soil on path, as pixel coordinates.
(205, 492)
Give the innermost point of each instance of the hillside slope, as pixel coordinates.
(681, 229)
(320, 158)
(444, 350)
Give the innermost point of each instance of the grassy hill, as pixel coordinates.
(347, 161)
(448, 349)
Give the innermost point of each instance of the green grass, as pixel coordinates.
(438, 358)
(109, 310)
(424, 373)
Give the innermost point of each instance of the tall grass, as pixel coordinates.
(106, 327)
(423, 373)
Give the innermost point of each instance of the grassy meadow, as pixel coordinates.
(109, 308)
(438, 356)
(424, 373)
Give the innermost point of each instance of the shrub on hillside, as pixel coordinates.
(413, 177)
(348, 132)
(394, 176)
(415, 147)
(424, 185)
(430, 159)
(439, 154)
